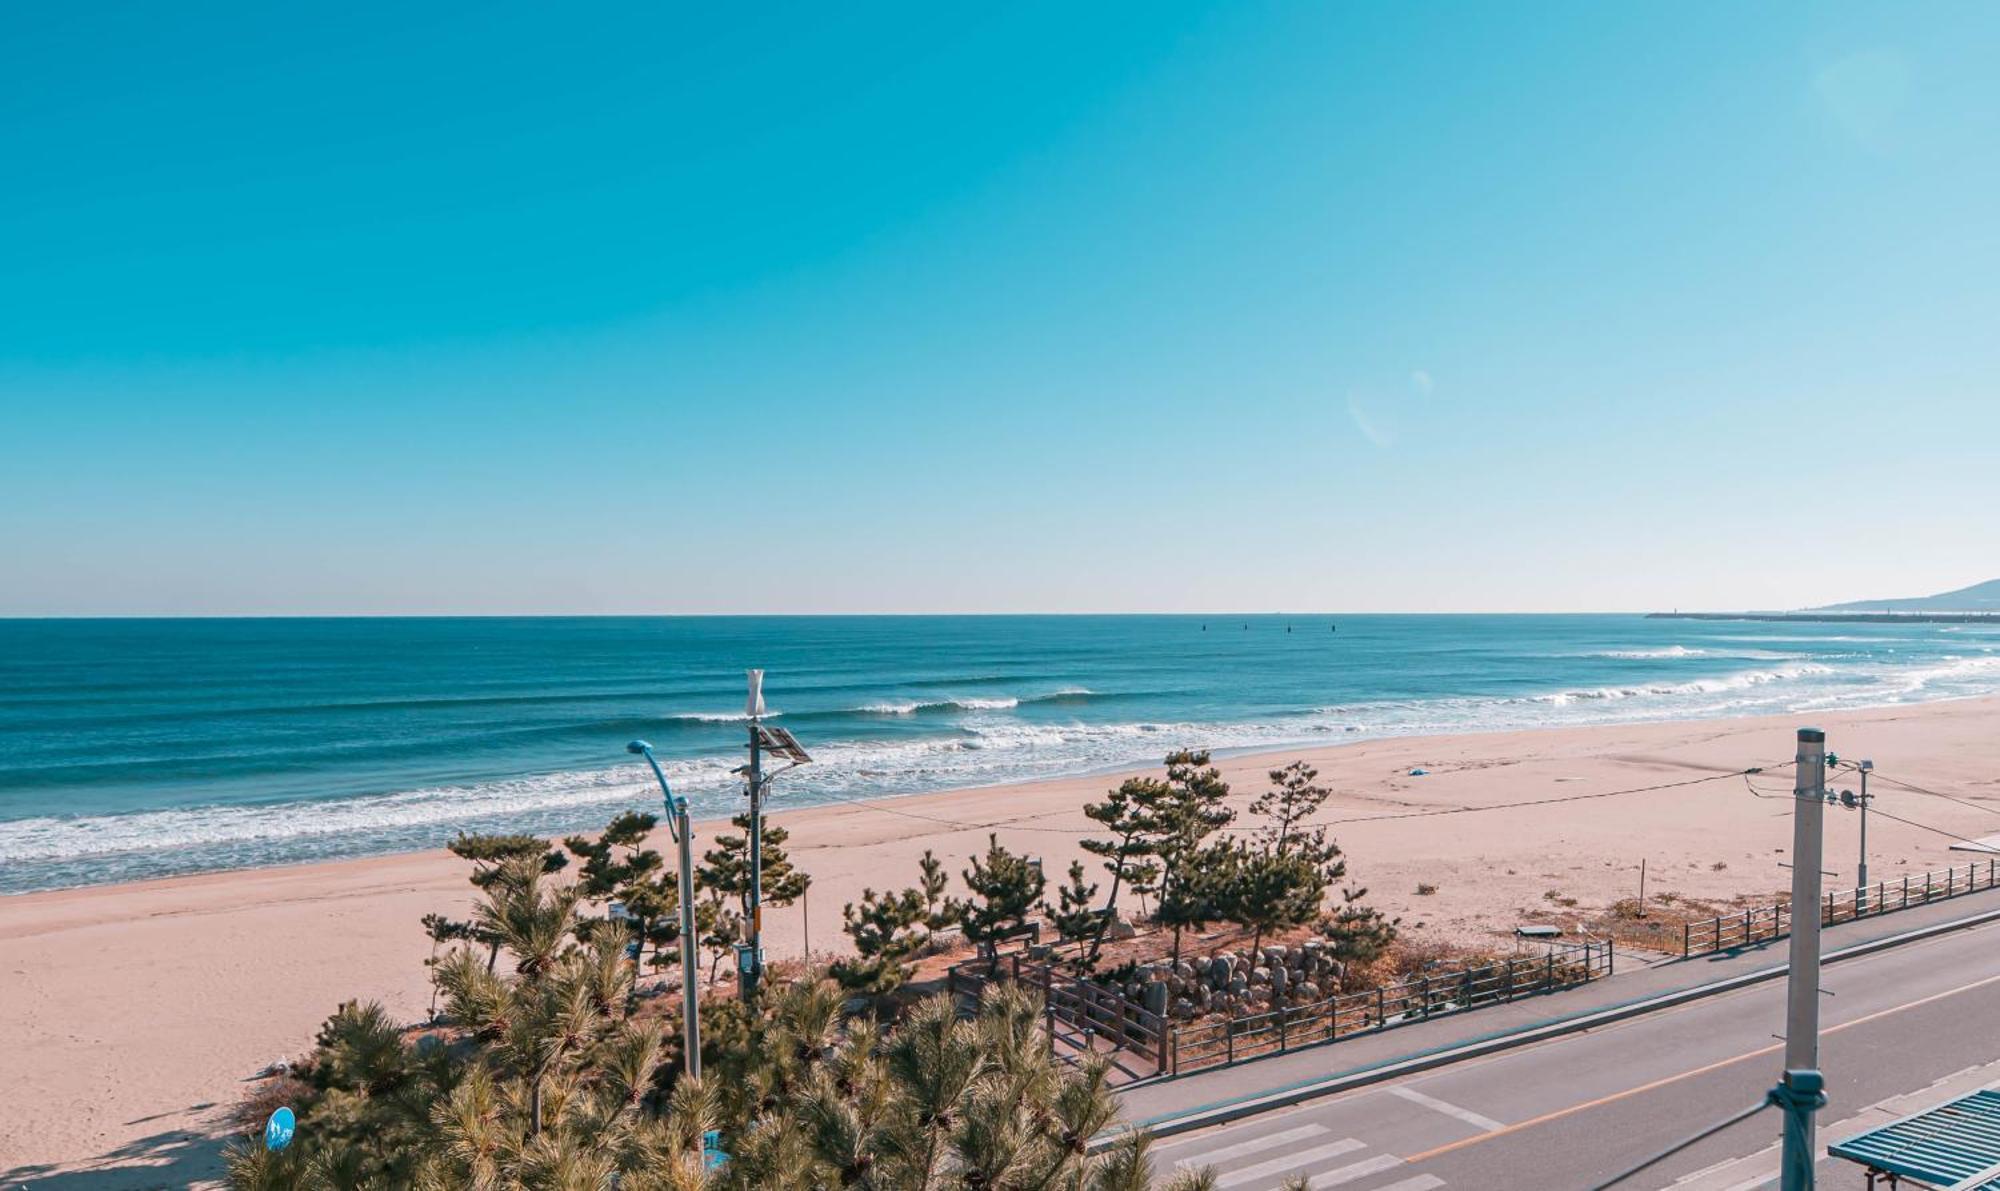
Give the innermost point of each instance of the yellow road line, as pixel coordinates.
(1573, 1109)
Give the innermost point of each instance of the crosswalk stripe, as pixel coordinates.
(1347, 1174)
(1423, 1182)
(1211, 1157)
(1487, 1124)
(1250, 1174)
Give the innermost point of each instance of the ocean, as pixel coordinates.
(143, 748)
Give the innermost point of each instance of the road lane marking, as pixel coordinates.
(1347, 1174)
(1251, 1174)
(1654, 1085)
(1210, 1157)
(1422, 1182)
(1485, 1124)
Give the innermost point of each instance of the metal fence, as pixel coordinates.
(1195, 1045)
(1761, 924)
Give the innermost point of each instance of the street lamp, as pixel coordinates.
(1849, 800)
(677, 824)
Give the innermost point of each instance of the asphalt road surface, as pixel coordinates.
(1567, 1113)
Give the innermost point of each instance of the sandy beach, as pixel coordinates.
(136, 1015)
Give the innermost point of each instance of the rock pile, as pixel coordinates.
(1236, 984)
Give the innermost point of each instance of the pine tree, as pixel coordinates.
(886, 929)
(489, 854)
(720, 925)
(1179, 817)
(1005, 887)
(1264, 889)
(1075, 917)
(940, 911)
(617, 867)
(725, 873)
(726, 866)
(1292, 800)
(1359, 933)
(1127, 854)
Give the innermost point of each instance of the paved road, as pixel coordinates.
(1568, 1112)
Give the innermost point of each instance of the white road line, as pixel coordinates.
(1423, 1182)
(1211, 1157)
(1347, 1174)
(1483, 1124)
(1251, 1174)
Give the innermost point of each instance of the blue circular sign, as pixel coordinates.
(278, 1130)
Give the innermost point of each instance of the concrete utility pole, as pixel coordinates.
(750, 957)
(1801, 1092)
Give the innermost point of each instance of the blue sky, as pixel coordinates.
(1051, 307)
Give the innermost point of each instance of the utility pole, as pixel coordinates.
(683, 833)
(750, 956)
(1800, 1093)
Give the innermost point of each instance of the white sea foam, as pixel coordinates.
(968, 703)
(1671, 651)
(982, 747)
(1699, 686)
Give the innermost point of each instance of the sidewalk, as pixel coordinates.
(1207, 1096)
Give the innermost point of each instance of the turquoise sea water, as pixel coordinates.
(133, 748)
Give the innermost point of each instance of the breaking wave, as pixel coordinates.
(875, 738)
(991, 703)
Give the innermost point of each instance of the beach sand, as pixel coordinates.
(135, 1016)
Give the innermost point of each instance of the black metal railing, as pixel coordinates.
(1726, 932)
(1215, 1042)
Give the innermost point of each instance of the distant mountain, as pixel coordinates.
(1980, 597)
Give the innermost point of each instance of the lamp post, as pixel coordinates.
(1861, 868)
(1848, 800)
(677, 824)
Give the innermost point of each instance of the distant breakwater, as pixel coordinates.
(1838, 617)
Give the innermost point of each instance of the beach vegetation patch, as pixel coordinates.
(543, 1075)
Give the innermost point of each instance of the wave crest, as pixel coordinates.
(972, 703)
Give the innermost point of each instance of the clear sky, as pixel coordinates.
(529, 308)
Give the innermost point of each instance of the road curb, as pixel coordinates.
(1231, 1110)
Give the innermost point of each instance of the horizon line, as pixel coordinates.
(1227, 612)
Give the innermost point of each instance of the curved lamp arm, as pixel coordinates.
(676, 806)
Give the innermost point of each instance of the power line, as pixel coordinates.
(1503, 806)
(1756, 793)
(1916, 789)
(1877, 809)
(958, 823)
(1980, 844)
(1083, 833)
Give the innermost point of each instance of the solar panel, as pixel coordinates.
(781, 743)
